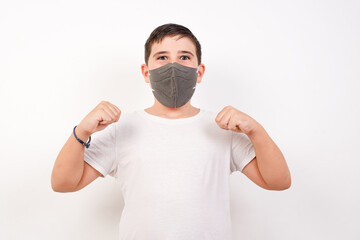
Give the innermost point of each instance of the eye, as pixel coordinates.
(161, 57)
(185, 56)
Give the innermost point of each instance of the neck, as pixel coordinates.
(184, 111)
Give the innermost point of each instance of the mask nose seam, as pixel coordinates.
(174, 84)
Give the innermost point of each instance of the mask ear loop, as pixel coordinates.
(197, 71)
(149, 78)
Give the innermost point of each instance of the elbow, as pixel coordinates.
(287, 181)
(61, 187)
(284, 187)
(280, 185)
(288, 184)
(58, 188)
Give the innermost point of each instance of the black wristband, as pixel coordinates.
(87, 145)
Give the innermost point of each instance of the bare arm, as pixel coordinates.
(269, 162)
(268, 169)
(69, 165)
(71, 172)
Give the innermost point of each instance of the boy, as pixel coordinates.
(173, 160)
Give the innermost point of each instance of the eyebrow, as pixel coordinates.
(181, 51)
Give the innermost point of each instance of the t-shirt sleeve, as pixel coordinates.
(101, 153)
(242, 151)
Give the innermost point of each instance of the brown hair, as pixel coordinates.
(170, 29)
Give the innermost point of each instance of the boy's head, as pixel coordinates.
(171, 30)
(172, 43)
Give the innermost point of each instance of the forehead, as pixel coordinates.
(174, 43)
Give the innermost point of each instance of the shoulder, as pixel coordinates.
(127, 118)
(129, 121)
(208, 120)
(209, 116)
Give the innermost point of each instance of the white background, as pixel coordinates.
(291, 65)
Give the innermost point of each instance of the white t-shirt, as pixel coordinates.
(173, 173)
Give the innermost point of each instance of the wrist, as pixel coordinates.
(255, 130)
(82, 134)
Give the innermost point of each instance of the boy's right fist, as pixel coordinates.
(99, 118)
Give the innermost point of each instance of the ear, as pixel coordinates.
(201, 72)
(145, 72)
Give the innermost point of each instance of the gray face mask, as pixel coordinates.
(173, 84)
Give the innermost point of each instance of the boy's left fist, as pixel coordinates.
(229, 118)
